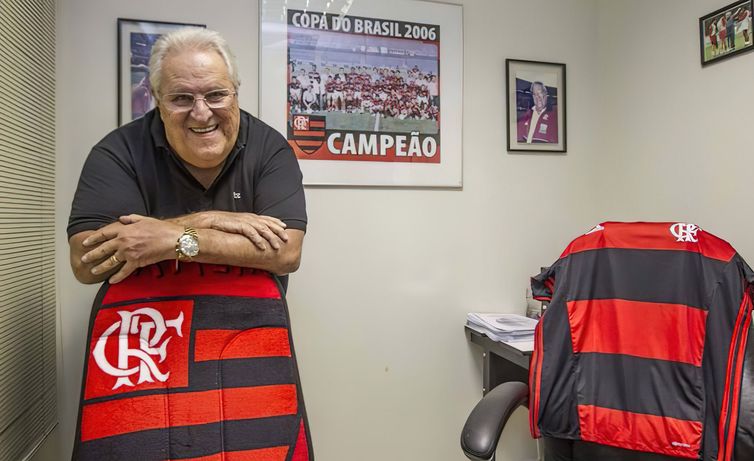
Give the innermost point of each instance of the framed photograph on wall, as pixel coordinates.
(536, 110)
(135, 40)
(726, 32)
(367, 93)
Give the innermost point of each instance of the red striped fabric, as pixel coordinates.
(190, 282)
(301, 452)
(535, 379)
(241, 344)
(261, 454)
(317, 123)
(641, 329)
(649, 236)
(733, 372)
(642, 432)
(317, 133)
(305, 143)
(550, 284)
(185, 409)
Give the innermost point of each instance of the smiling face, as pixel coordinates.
(202, 137)
(540, 97)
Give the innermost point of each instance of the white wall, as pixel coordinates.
(379, 262)
(676, 137)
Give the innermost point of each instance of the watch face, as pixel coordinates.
(189, 245)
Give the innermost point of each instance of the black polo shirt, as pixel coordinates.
(134, 170)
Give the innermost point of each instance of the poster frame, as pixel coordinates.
(275, 108)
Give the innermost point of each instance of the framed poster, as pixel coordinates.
(536, 120)
(726, 32)
(135, 40)
(367, 93)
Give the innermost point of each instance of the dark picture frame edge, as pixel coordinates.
(120, 26)
(562, 128)
(703, 35)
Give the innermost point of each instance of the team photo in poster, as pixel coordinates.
(364, 89)
(365, 93)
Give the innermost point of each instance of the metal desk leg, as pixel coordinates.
(498, 370)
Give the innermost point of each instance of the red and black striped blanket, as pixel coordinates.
(191, 364)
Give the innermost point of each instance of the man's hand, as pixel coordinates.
(259, 229)
(133, 242)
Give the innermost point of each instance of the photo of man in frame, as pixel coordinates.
(536, 109)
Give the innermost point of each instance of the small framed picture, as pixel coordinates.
(536, 120)
(726, 32)
(135, 40)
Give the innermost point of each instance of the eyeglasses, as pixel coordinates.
(184, 102)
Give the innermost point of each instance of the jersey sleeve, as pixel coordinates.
(728, 327)
(543, 284)
(280, 191)
(107, 189)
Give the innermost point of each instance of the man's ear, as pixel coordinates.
(158, 106)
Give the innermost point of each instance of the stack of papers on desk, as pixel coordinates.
(503, 327)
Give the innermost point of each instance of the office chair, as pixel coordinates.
(645, 352)
(485, 423)
(484, 426)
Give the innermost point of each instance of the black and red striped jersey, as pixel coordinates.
(193, 363)
(642, 344)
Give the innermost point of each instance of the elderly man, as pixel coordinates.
(197, 362)
(539, 124)
(196, 179)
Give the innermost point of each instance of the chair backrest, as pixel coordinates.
(642, 346)
(192, 362)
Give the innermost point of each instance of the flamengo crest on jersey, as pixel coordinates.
(596, 228)
(684, 232)
(139, 346)
(153, 341)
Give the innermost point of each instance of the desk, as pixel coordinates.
(502, 363)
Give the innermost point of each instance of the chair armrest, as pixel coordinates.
(485, 423)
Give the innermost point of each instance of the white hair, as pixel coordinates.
(189, 38)
(539, 84)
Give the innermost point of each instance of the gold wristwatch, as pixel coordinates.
(187, 246)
